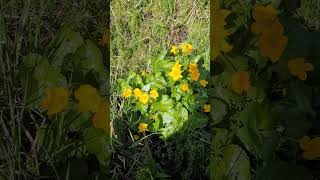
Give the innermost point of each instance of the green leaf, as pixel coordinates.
(70, 43)
(219, 110)
(256, 116)
(232, 165)
(90, 59)
(198, 120)
(256, 94)
(168, 117)
(96, 143)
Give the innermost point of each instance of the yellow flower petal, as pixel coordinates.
(240, 82)
(185, 87)
(186, 48)
(126, 93)
(88, 97)
(56, 100)
(143, 127)
(175, 73)
(144, 98)
(174, 50)
(304, 142)
(194, 71)
(203, 83)
(265, 18)
(298, 68)
(272, 45)
(311, 147)
(154, 94)
(207, 108)
(137, 92)
(101, 119)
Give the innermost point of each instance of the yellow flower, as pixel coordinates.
(271, 42)
(194, 71)
(136, 137)
(154, 94)
(195, 75)
(240, 82)
(272, 45)
(193, 67)
(185, 87)
(56, 100)
(203, 83)
(175, 73)
(207, 108)
(298, 68)
(88, 98)
(186, 48)
(144, 98)
(154, 117)
(265, 17)
(219, 33)
(143, 127)
(311, 147)
(174, 50)
(137, 92)
(143, 73)
(100, 119)
(126, 92)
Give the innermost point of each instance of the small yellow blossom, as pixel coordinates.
(194, 71)
(207, 108)
(126, 92)
(137, 92)
(203, 83)
(144, 98)
(154, 94)
(185, 87)
(175, 73)
(143, 127)
(100, 119)
(143, 73)
(154, 117)
(240, 82)
(56, 100)
(186, 48)
(174, 50)
(88, 97)
(298, 68)
(311, 147)
(136, 137)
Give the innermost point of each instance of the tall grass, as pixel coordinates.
(25, 27)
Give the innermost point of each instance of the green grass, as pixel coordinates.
(140, 32)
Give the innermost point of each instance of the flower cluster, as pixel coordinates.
(142, 97)
(186, 49)
(177, 85)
